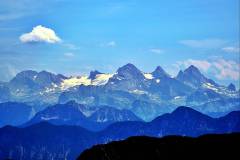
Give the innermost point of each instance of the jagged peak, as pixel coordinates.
(26, 73)
(93, 74)
(129, 65)
(159, 73)
(192, 69)
(129, 68)
(180, 73)
(44, 72)
(45, 77)
(231, 87)
(159, 68)
(193, 76)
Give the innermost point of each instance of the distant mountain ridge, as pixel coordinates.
(123, 90)
(60, 142)
(93, 118)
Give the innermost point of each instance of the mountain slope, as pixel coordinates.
(5, 94)
(31, 81)
(44, 141)
(193, 77)
(13, 113)
(171, 147)
(39, 140)
(182, 121)
(110, 114)
(128, 77)
(89, 117)
(159, 73)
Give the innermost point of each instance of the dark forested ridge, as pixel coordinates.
(45, 141)
(170, 147)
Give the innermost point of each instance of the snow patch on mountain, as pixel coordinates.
(49, 118)
(101, 79)
(137, 91)
(210, 86)
(148, 75)
(158, 80)
(75, 81)
(177, 97)
(222, 90)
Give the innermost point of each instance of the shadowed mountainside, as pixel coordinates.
(171, 147)
(45, 141)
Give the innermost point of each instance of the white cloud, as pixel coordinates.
(69, 54)
(231, 49)
(40, 34)
(156, 50)
(219, 68)
(205, 43)
(226, 69)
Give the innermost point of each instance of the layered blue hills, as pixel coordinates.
(90, 117)
(47, 141)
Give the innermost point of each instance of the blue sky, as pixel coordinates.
(106, 34)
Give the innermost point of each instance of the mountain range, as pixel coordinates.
(93, 118)
(147, 95)
(45, 141)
